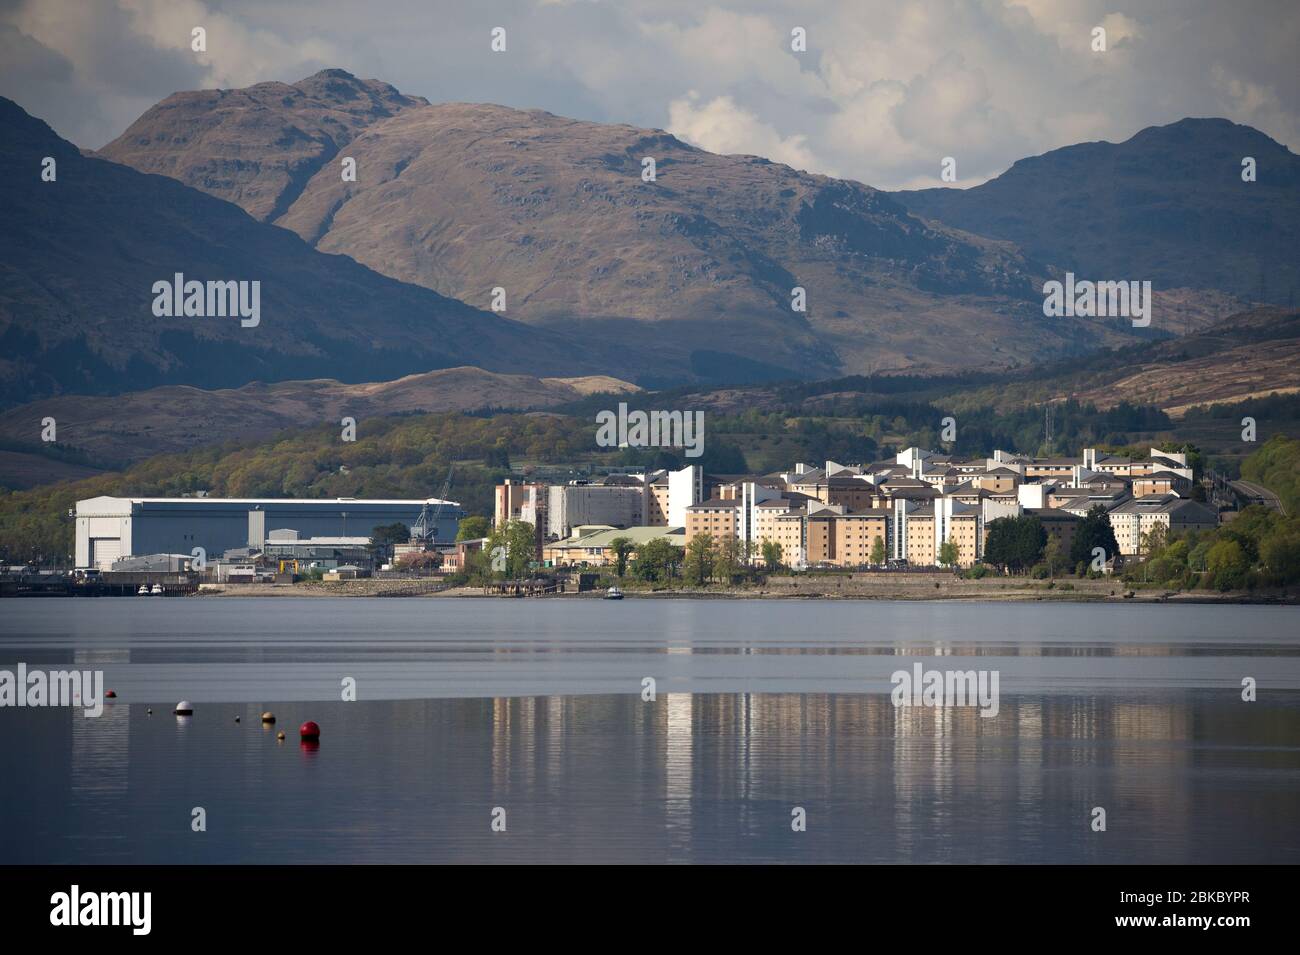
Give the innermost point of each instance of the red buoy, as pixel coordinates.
(110, 695)
(309, 730)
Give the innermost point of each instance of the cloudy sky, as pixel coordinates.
(883, 93)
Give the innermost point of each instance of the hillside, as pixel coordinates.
(79, 257)
(1168, 205)
(692, 273)
(1248, 355)
(173, 418)
(256, 147)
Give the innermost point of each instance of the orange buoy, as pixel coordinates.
(268, 717)
(280, 735)
(309, 730)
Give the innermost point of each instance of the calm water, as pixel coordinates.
(535, 706)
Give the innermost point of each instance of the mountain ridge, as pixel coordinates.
(1172, 195)
(694, 271)
(80, 255)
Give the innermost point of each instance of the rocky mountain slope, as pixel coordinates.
(692, 273)
(1168, 205)
(79, 257)
(256, 147)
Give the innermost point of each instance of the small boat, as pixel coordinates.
(157, 590)
(613, 594)
(143, 591)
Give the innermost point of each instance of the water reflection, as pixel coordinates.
(503, 705)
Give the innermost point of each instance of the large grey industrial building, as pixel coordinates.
(110, 528)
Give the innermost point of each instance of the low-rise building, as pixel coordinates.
(1133, 520)
(595, 547)
(716, 516)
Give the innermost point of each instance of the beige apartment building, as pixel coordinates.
(1161, 482)
(766, 515)
(1133, 520)
(518, 501)
(961, 526)
(657, 502)
(998, 481)
(845, 540)
(717, 517)
(788, 530)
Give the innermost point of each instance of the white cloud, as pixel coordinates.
(886, 89)
(720, 126)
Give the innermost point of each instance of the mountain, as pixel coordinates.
(79, 257)
(171, 418)
(1168, 205)
(1246, 356)
(692, 273)
(258, 146)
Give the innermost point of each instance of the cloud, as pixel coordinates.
(886, 89)
(720, 126)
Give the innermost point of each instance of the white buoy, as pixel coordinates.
(184, 708)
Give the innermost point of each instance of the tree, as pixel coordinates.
(699, 559)
(947, 553)
(657, 560)
(1093, 531)
(520, 546)
(878, 551)
(420, 560)
(1015, 543)
(1280, 555)
(385, 534)
(472, 528)
(1228, 566)
(1153, 541)
(728, 559)
(621, 547)
(1054, 556)
(772, 554)
(383, 537)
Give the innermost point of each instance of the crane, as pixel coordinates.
(425, 529)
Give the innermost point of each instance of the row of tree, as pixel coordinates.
(1022, 545)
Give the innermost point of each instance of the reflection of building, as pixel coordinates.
(110, 528)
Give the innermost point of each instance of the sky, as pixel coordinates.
(883, 93)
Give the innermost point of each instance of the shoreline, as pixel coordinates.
(1092, 592)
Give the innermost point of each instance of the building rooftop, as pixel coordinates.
(714, 503)
(637, 535)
